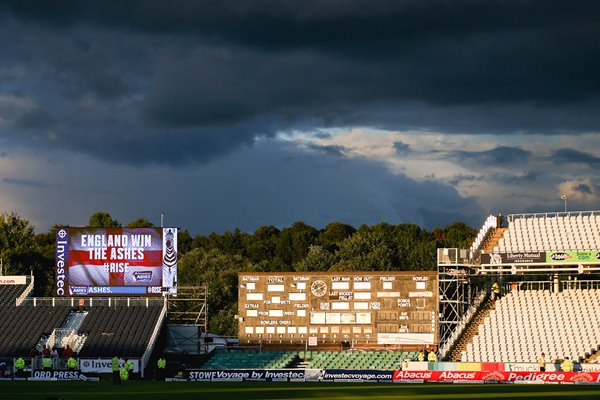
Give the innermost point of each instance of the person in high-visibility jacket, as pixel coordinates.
(124, 374)
(161, 365)
(405, 364)
(567, 365)
(128, 365)
(421, 356)
(115, 370)
(72, 363)
(495, 291)
(432, 357)
(542, 362)
(47, 363)
(20, 366)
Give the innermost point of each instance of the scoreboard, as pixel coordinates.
(375, 308)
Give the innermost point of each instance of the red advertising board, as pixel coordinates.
(443, 376)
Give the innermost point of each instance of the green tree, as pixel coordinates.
(140, 223)
(333, 234)
(218, 272)
(318, 259)
(184, 241)
(369, 249)
(17, 244)
(459, 235)
(102, 219)
(261, 246)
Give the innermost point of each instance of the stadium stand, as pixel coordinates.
(551, 231)
(25, 326)
(383, 360)
(363, 359)
(555, 318)
(490, 223)
(118, 330)
(224, 359)
(529, 322)
(9, 293)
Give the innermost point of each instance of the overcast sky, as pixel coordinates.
(248, 113)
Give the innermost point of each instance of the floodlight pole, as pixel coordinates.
(162, 218)
(564, 197)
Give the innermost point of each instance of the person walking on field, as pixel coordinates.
(116, 371)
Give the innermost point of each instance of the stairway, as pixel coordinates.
(593, 358)
(493, 238)
(471, 330)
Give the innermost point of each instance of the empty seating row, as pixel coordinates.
(547, 232)
(118, 331)
(351, 359)
(226, 359)
(527, 323)
(382, 360)
(22, 327)
(9, 294)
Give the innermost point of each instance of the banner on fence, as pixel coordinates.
(243, 375)
(497, 376)
(366, 375)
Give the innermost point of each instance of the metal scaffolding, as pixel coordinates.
(189, 307)
(458, 288)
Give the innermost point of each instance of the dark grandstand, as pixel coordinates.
(93, 328)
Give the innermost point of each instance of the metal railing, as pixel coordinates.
(94, 301)
(551, 285)
(453, 256)
(512, 217)
(580, 285)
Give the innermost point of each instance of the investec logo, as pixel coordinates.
(62, 241)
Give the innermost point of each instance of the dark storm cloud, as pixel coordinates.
(572, 156)
(498, 156)
(35, 119)
(583, 188)
(402, 148)
(519, 179)
(332, 150)
(177, 81)
(528, 178)
(23, 182)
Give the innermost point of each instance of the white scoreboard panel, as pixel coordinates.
(375, 308)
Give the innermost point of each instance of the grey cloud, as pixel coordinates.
(583, 188)
(527, 177)
(23, 182)
(177, 82)
(402, 148)
(572, 156)
(272, 183)
(332, 150)
(36, 119)
(503, 155)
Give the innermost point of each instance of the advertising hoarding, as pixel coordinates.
(573, 257)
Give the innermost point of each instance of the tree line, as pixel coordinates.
(215, 259)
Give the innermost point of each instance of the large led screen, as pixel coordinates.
(116, 261)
